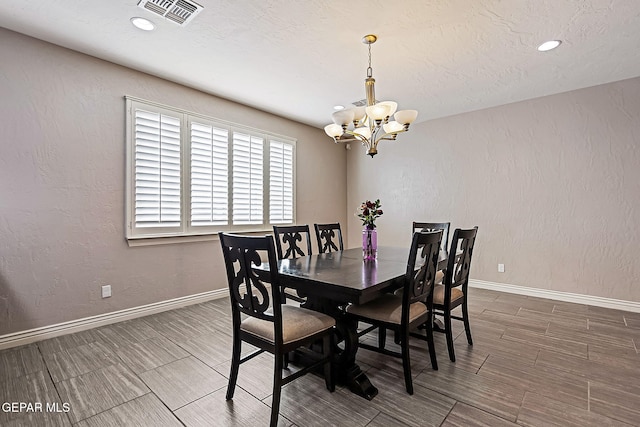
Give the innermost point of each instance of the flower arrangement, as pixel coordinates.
(369, 212)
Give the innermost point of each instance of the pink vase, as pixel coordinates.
(369, 244)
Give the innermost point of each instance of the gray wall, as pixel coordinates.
(62, 169)
(553, 184)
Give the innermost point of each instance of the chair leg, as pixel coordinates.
(432, 347)
(286, 361)
(235, 366)
(277, 388)
(406, 362)
(382, 337)
(449, 334)
(465, 318)
(327, 352)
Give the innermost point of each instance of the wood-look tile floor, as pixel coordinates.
(534, 362)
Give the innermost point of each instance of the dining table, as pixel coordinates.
(331, 281)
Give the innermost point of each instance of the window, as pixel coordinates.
(192, 175)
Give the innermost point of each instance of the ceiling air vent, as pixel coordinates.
(361, 103)
(178, 11)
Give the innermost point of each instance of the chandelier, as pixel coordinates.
(370, 124)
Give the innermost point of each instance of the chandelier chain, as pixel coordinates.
(369, 69)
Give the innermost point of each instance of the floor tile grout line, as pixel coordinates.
(482, 364)
(448, 413)
(55, 386)
(376, 416)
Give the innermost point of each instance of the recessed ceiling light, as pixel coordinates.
(551, 44)
(143, 24)
(338, 107)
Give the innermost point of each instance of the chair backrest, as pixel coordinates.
(434, 226)
(290, 236)
(459, 262)
(327, 234)
(419, 283)
(247, 289)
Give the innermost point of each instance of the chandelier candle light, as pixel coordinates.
(371, 124)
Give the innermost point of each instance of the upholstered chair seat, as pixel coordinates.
(387, 309)
(297, 323)
(438, 295)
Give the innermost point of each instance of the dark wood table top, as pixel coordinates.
(343, 276)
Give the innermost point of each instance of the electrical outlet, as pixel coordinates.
(500, 268)
(106, 291)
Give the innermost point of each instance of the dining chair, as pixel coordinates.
(328, 235)
(268, 324)
(288, 240)
(453, 290)
(408, 310)
(435, 226)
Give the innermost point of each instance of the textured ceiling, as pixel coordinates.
(299, 58)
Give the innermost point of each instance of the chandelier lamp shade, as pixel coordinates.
(372, 123)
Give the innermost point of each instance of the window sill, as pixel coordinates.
(175, 239)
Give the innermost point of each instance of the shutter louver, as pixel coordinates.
(280, 182)
(247, 179)
(209, 175)
(157, 170)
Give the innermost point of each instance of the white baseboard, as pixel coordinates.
(617, 304)
(45, 332)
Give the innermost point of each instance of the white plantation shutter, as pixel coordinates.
(247, 179)
(157, 170)
(189, 175)
(209, 175)
(280, 182)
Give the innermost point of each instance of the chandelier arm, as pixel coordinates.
(336, 140)
(375, 131)
(356, 136)
(383, 136)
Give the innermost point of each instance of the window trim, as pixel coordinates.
(187, 232)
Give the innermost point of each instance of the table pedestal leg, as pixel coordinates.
(346, 369)
(438, 326)
(359, 383)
